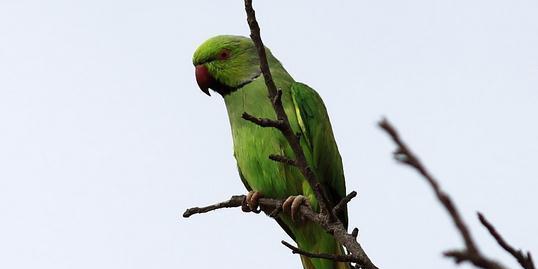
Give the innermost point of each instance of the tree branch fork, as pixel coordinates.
(273, 207)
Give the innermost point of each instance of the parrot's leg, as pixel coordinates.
(292, 204)
(252, 201)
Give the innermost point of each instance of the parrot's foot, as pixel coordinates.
(292, 204)
(251, 202)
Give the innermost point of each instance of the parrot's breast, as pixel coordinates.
(253, 144)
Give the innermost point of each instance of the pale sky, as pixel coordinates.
(105, 138)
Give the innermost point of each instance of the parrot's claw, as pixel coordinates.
(292, 204)
(251, 202)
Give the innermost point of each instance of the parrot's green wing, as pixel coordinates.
(317, 131)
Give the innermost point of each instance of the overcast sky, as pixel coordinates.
(105, 137)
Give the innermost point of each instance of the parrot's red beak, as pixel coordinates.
(203, 78)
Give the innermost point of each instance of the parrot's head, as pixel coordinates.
(225, 63)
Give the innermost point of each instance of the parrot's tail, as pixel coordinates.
(310, 263)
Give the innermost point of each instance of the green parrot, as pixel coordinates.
(229, 65)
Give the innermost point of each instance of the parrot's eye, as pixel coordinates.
(224, 54)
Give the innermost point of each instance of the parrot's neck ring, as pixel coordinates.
(225, 90)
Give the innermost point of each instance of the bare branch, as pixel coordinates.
(263, 122)
(326, 219)
(405, 156)
(235, 201)
(268, 204)
(275, 205)
(333, 257)
(282, 159)
(476, 259)
(524, 261)
(342, 204)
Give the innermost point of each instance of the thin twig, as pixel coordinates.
(471, 253)
(263, 122)
(282, 159)
(524, 261)
(235, 201)
(327, 256)
(342, 204)
(355, 232)
(404, 155)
